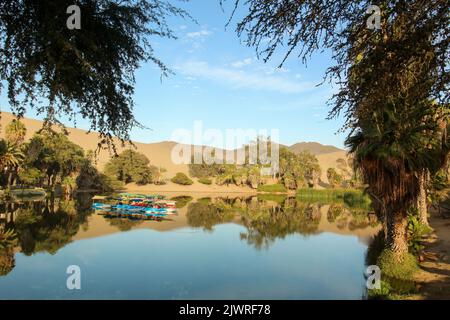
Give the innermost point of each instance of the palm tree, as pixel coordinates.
(391, 154)
(422, 201)
(10, 158)
(7, 243)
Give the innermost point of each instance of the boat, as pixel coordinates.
(126, 207)
(155, 210)
(100, 206)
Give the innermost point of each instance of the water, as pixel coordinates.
(215, 248)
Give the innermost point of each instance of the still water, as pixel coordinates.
(221, 247)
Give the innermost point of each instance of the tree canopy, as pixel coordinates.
(393, 85)
(131, 166)
(88, 71)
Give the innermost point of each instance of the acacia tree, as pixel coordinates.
(391, 82)
(131, 166)
(90, 71)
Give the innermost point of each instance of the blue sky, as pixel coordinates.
(220, 82)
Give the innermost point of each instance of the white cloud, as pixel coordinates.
(198, 34)
(242, 63)
(248, 79)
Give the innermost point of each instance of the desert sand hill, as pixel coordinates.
(160, 153)
(313, 147)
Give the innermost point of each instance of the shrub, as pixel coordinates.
(272, 188)
(402, 268)
(416, 234)
(182, 201)
(205, 181)
(181, 178)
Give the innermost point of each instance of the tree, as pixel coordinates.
(298, 170)
(130, 166)
(15, 132)
(89, 71)
(53, 154)
(422, 201)
(391, 82)
(10, 159)
(334, 178)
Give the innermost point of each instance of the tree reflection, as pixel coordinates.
(268, 218)
(41, 226)
(271, 221)
(7, 243)
(207, 214)
(124, 224)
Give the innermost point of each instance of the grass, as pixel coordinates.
(351, 197)
(272, 188)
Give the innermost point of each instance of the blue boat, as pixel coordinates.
(101, 206)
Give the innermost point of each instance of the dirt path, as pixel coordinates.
(434, 279)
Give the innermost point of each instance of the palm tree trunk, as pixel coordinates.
(396, 224)
(422, 198)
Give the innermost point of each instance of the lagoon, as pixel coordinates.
(216, 247)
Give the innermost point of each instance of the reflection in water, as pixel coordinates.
(47, 226)
(267, 220)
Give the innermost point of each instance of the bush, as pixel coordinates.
(416, 234)
(182, 201)
(272, 188)
(402, 268)
(181, 178)
(205, 181)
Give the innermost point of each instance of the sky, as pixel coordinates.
(219, 81)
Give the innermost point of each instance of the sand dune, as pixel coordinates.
(160, 153)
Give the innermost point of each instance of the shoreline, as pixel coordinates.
(433, 278)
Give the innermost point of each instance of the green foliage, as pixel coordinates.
(334, 178)
(53, 154)
(272, 188)
(8, 238)
(131, 166)
(384, 293)
(439, 187)
(334, 211)
(15, 132)
(182, 201)
(181, 178)
(416, 233)
(254, 177)
(207, 215)
(298, 170)
(205, 181)
(31, 176)
(10, 154)
(351, 197)
(88, 71)
(401, 267)
(278, 198)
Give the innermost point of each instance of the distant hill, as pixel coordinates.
(313, 147)
(159, 153)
